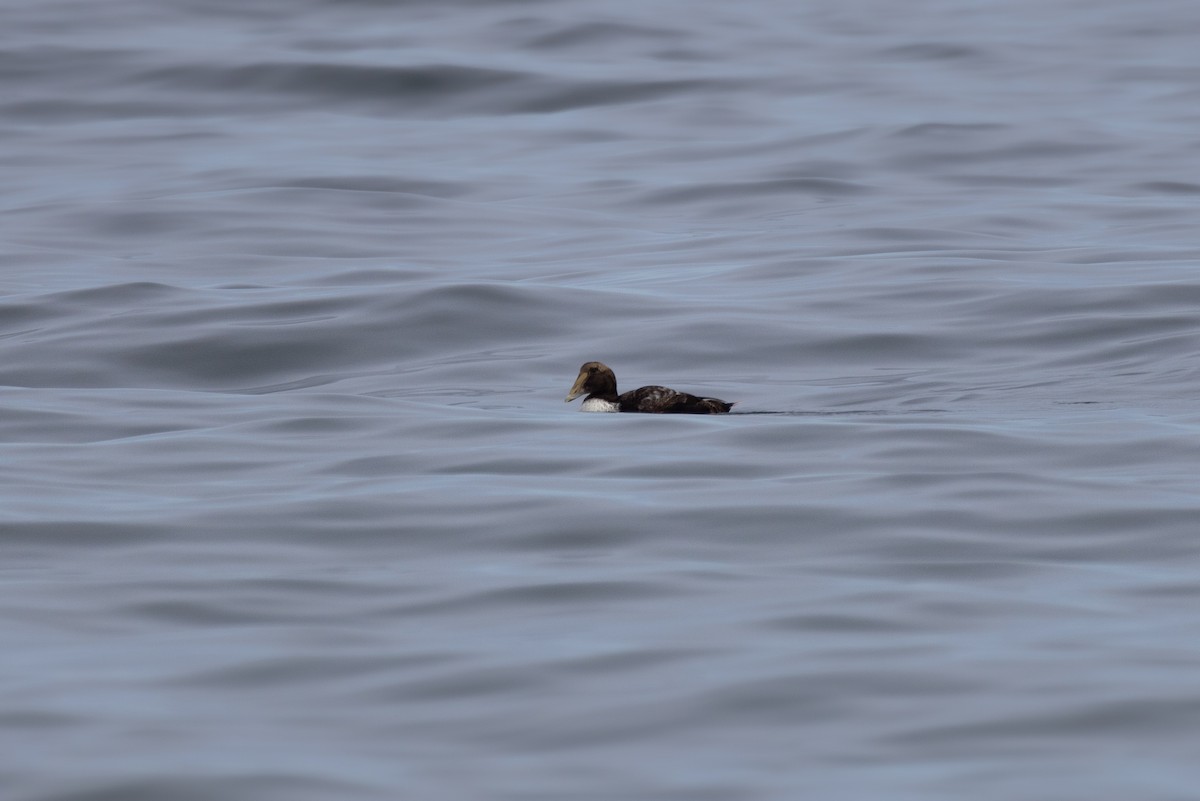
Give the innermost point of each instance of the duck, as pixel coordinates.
(599, 382)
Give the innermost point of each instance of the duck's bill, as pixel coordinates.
(576, 390)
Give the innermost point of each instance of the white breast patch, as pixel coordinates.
(597, 405)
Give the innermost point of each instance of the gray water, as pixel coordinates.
(291, 506)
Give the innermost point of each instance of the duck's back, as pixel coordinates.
(664, 400)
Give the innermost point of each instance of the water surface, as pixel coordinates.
(291, 506)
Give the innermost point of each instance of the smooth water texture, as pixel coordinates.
(291, 507)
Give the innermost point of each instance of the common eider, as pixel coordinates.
(600, 384)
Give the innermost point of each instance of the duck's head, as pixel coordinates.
(594, 379)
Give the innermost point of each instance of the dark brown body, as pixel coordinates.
(600, 384)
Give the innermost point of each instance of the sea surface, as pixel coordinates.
(291, 507)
